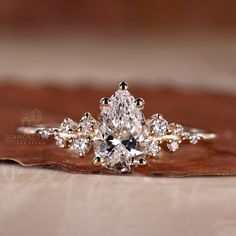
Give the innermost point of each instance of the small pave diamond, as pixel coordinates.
(60, 142)
(176, 129)
(173, 146)
(68, 125)
(46, 133)
(153, 148)
(193, 139)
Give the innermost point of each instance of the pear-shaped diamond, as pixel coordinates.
(119, 139)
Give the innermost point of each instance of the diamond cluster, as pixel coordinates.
(75, 136)
(121, 137)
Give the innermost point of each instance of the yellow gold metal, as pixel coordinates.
(142, 162)
(123, 86)
(139, 102)
(105, 101)
(97, 161)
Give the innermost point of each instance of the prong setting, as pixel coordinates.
(87, 115)
(97, 161)
(139, 102)
(123, 85)
(142, 162)
(105, 101)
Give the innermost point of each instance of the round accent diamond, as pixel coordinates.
(60, 142)
(46, 133)
(173, 146)
(158, 126)
(193, 139)
(153, 148)
(81, 145)
(176, 129)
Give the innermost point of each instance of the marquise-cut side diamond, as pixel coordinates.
(120, 139)
(68, 125)
(87, 124)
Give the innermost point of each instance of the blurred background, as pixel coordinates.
(175, 43)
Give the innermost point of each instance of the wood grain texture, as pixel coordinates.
(215, 112)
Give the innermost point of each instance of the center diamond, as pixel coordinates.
(120, 137)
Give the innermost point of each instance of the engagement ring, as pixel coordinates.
(121, 137)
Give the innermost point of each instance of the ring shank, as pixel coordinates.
(34, 130)
(205, 135)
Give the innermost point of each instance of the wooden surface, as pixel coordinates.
(44, 202)
(37, 201)
(40, 202)
(208, 111)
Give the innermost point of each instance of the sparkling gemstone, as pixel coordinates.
(120, 138)
(87, 123)
(193, 139)
(158, 125)
(60, 142)
(173, 146)
(81, 145)
(178, 130)
(68, 125)
(46, 133)
(153, 148)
